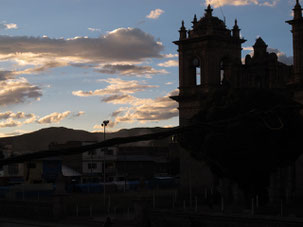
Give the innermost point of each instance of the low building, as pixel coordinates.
(98, 161)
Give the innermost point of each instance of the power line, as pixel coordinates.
(218, 124)
(220, 6)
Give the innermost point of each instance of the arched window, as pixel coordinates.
(196, 64)
(221, 72)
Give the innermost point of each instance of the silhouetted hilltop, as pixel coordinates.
(40, 140)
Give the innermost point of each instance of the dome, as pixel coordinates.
(210, 21)
(209, 24)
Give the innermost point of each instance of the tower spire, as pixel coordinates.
(236, 30)
(182, 31)
(195, 21)
(297, 24)
(209, 11)
(297, 10)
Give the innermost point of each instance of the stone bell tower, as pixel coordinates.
(297, 31)
(209, 57)
(209, 54)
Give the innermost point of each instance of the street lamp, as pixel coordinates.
(104, 124)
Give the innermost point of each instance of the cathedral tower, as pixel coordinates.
(207, 55)
(297, 31)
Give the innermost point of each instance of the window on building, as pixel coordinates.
(221, 72)
(92, 152)
(198, 76)
(109, 152)
(13, 169)
(92, 165)
(31, 165)
(196, 64)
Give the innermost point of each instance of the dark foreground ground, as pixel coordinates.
(69, 222)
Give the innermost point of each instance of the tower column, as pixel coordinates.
(297, 31)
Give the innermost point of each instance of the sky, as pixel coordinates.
(76, 63)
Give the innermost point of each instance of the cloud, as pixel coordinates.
(11, 119)
(8, 26)
(18, 115)
(155, 14)
(170, 63)
(94, 29)
(38, 54)
(143, 110)
(122, 44)
(5, 75)
(218, 3)
(14, 91)
(131, 70)
(14, 133)
(99, 126)
(282, 57)
(119, 111)
(10, 123)
(170, 55)
(119, 99)
(248, 48)
(117, 86)
(80, 113)
(53, 117)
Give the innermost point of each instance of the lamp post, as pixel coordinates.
(104, 124)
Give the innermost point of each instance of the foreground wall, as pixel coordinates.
(182, 219)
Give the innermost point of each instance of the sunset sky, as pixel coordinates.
(75, 63)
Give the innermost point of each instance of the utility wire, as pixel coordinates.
(220, 6)
(218, 124)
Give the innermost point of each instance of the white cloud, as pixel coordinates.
(248, 48)
(218, 3)
(140, 109)
(94, 29)
(155, 14)
(14, 91)
(14, 133)
(38, 54)
(119, 99)
(80, 113)
(143, 110)
(100, 127)
(11, 26)
(9, 123)
(8, 26)
(170, 63)
(11, 119)
(53, 117)
(130, 70)
(170, 55)
(282, 57)
(18, 115)
(116, 86)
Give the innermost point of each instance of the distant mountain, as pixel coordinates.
(40, 140)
